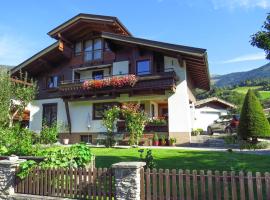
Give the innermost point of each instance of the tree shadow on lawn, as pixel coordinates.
(107, 161)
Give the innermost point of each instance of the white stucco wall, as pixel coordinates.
(205, 116)
(178, 102)
(121, 67)
(81, 115)
(36, 107)
(81, 112)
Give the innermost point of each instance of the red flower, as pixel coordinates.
(116, 81)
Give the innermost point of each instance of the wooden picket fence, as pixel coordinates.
(75, 183)
(187, 185)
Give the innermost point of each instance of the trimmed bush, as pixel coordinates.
(253, 123)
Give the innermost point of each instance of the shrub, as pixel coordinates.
(78, 155)
(163, 140)
(16, 140)
(249, 145)
(172, 141)
(231, 139)
(196, 132)
(155, 137)
(253, 123)
(148, 159)
(109, 119)
(49, 134)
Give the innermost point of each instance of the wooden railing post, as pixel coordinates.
(128, 180)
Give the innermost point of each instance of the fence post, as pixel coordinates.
(127, 180)
(7, 175)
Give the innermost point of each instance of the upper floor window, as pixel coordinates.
(143, 67)
(92, 50)
(53, 81)
(78, 48)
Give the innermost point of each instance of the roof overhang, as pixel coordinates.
(114, 22)
(196, 58)
(53, 53)
(214, 100)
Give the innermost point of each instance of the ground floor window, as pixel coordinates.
(49, 114)
(99, 109)
(86, 138)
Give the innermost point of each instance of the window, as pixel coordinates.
(99, 108)
(153, 114)
(88, 50)
(53, 82)
(92, 50)
(78, 48)
(97, 49)
(106, 46)
(143, 67)
(97, 75)
(49, 114)
(86, 138)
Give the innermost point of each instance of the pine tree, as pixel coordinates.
(253, 123)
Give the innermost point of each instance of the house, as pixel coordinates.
(208, 110)
(95, 47)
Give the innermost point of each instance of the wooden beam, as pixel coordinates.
(20, 82)
(68, 116)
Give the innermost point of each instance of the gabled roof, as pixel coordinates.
(213, 100)
(82, 16)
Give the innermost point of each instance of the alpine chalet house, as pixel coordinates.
(96, 63)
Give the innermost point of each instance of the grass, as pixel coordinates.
(187, 159)
(263, 94)
(244, 90)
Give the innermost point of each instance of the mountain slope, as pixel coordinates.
(237, 77)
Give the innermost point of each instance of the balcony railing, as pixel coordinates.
(121, 127)
(162, 80)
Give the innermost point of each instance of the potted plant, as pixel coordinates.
(156, 142)
(163, 140)
(65, 141)
(172, 141)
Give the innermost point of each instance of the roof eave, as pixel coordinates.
(34, 57)
(54, 31)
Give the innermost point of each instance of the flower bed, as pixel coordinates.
(117, 82)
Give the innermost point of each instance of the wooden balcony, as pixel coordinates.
(154, 83)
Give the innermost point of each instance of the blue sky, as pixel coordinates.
(223, 27)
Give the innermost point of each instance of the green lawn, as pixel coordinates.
(243, 90)
(264, 94)
(187, 159)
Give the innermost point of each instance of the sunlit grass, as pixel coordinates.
(187, 159)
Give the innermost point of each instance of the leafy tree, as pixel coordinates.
(109, 121)
(14, 96)
(253, 123)
(135, 120)
(261, 39)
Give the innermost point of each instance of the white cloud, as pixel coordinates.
(243, 58)
(232, 4)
